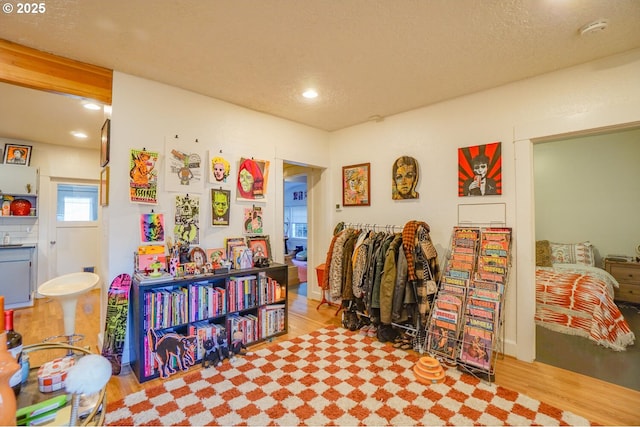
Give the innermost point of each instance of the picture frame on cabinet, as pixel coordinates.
(17, 154)
(356, 187)
(105, 142)
(104, 186)
(260, 247)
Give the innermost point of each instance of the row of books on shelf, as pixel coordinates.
(164, 308)
(466, 311)
(269, 321)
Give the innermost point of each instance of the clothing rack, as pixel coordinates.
(389, 228)
(374, 227)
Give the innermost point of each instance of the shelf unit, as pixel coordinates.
(253, 300)
(20, 182)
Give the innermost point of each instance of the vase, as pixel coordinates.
(20, 207)
(8, 366)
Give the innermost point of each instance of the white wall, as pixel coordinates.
(145, 113)
(602, 93)
(587, 188)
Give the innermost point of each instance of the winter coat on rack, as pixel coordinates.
(422, 257)
(404, 305)
(359, 260)
(335, 268)
(388, 280)
(347, 265)
(377, 279)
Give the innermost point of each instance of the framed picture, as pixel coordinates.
(15, 154)
(355, 185)
(104, 187)
(480, 170)
(260, 246)
(105, 142)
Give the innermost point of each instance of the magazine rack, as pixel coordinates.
(465, 326)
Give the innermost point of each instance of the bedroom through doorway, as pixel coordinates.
(574, 205)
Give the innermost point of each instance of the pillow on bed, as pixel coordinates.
(543, 254)
(572, 253)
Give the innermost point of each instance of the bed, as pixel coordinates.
(575, 297)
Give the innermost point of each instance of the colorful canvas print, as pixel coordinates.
(480, 170)
(143, 177)
(253, 220)
(252, 179)
(183, 170)
(219, 168)
(151, 228)
(187, 220)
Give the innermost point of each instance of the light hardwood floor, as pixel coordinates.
(598, 401)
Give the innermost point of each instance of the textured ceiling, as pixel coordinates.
(365, 57)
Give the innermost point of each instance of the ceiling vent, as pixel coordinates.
(594, 27)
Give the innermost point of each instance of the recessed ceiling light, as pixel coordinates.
(310, 93)
(91, 106)
(79, 134)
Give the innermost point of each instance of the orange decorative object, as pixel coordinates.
(20, 207)
(8, 366)
(428, 371)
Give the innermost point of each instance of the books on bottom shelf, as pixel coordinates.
(205, 330)
(272, 319)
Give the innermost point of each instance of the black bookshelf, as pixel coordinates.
(185, 311)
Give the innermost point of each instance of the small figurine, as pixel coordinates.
(213, 354)
(237, 345)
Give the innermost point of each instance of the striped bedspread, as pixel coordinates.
(575, 301)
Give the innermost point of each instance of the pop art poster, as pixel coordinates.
(187, 220)
(183, 170)
(480, 170)
(253, 220)
(151, 228)
(143, 177)
(252, 179)
(219, 168)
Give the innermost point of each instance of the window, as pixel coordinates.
(77, 202)
(299, 230)
(296, 222)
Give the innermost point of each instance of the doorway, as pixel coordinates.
(73, 242)
(296, 225)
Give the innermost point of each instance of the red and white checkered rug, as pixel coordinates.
(330, 377)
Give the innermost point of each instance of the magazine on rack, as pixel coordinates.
(477, 342)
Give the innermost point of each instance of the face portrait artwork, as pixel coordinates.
(16, 155)
(480, 170)
(221, 169)
(405, 178)
(252, 179)
(355, 185)
(220, 206)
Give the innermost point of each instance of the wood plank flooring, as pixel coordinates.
(598, 401)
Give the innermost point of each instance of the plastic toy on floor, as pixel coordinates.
(238, 348)
(213, 353)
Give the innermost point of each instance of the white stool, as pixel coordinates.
(66, 289)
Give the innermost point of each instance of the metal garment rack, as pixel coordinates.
(389, 228)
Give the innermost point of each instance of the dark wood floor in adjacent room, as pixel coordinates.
(596, 400)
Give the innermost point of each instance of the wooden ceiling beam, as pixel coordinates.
(24, 66)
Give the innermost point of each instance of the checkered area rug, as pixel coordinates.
(330, 377)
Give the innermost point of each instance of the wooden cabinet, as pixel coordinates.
(20, 182)
(251, 300)
(17, 275)
(628, 276)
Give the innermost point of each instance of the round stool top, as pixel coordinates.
(69, 285)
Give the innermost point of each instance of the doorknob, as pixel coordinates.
(53, 242)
